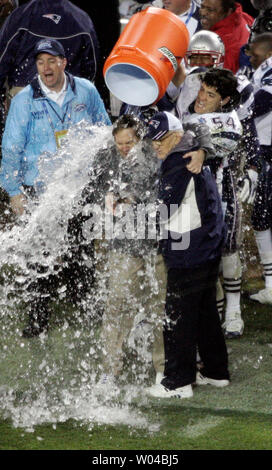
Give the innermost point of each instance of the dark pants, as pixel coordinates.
(192, 321)
(262, 209)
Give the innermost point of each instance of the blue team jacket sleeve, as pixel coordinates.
(95, 105)
(13, 145)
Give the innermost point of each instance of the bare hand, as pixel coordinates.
(18, 204)
(110, 202)
(196, 162)
(179, 76)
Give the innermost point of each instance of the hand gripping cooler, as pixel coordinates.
(146, 56)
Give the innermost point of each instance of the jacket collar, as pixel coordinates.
(186, 144)
(37, 91)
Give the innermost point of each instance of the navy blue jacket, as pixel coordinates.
(197, 229)
(37, 19)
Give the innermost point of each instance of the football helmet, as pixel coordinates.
(206, 43)
(262, 24)
(261, 4)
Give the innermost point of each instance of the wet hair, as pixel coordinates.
(129, 121)
(225, 83)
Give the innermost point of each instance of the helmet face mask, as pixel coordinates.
(205, 49)
(203, 59)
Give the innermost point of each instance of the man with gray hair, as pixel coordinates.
(191, 246)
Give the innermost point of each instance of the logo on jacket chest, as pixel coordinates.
(37, 114)
(79, 107)
(53, 17)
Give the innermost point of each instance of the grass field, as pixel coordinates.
(49, 400)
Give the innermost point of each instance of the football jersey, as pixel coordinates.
(226, 130)
(246, 90)
(262, 83)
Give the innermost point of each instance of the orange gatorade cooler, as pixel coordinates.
(146, 56)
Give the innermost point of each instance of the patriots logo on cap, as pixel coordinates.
(53, 17)
(44, 44)
(154, 123)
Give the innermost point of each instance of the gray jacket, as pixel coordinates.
(134, 183)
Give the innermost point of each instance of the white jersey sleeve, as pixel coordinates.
(262, 82)
(246, 91)
(188, 93)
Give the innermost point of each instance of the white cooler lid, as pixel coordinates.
(132, 84)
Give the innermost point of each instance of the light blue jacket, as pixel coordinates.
(32, 121)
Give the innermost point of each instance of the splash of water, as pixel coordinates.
(54, 378)
(65, 174)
